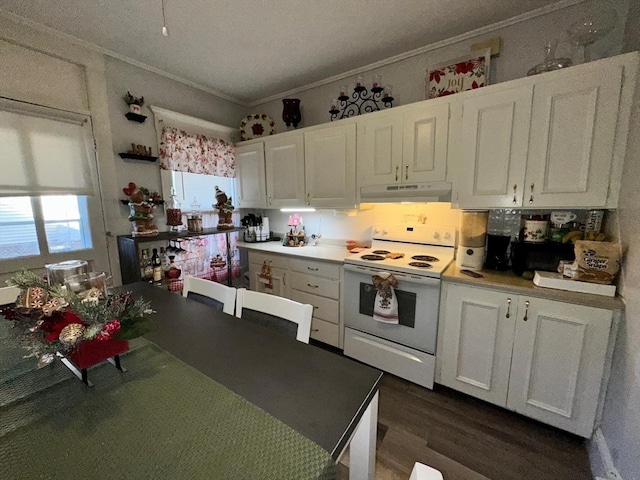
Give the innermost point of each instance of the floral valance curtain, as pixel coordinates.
(185, 152)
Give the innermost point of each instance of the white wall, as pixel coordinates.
(522, 48)
(621, 417)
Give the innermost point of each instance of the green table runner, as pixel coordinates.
(160, 420)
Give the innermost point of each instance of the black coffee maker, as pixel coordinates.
(497, 258)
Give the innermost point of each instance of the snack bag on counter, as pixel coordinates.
(597, 262)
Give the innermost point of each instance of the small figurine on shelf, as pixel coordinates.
(224, 209)
(134, 103)
(140, 211)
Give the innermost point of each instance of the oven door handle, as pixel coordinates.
(401, 277)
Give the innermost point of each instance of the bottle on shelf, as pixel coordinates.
(156, 267)
(146, 270)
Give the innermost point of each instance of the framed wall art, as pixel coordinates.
(458, 75)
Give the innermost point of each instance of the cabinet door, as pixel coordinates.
(573, 128)
(279, 281)
(490, 167)
(426, 132)
(284, 160)
(380, 149)
(250, 176)
(558, 359)
(478, 336)
(330, 166)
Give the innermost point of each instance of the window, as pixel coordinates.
(63, 219)
(47, 186)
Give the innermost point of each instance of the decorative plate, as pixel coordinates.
(257, 125)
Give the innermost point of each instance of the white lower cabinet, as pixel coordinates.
(306, 281)
(542, 358)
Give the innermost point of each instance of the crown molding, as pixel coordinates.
(105, 51)
(427, 48)
(382, 63)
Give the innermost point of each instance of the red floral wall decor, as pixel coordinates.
(458, 75)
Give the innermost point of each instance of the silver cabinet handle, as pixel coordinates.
(526, 311)
(284, 279)
(406, 172)
(315, 329)
(312, 286)
(308, 199)
(315, 307)
(531, 197)
(269, 199)
(508, 308)
(397, 168)
(515, 189)
(312, 269)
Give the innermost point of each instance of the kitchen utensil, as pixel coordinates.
(535, 228)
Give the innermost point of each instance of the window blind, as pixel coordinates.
(44, 151)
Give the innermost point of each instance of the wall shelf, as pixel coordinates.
(147, 158)
(135, 117)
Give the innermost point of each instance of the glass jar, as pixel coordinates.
(173, 211)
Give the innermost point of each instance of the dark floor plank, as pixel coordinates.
(466, 438)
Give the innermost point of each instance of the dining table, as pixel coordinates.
(205, 395)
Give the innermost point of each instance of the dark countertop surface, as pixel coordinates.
(318, 393)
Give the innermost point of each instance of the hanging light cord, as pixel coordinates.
(165, 30)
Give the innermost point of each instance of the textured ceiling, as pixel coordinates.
(254, 49)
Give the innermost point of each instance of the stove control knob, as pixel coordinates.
(376, 230)
(447, 235)
(436, 234)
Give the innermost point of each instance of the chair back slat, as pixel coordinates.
(296, 312)
(216, 291)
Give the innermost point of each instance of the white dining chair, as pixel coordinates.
(8, 294)
(275, 312)
(210, 293)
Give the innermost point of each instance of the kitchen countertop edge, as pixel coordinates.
(509, 282)
(325, 253)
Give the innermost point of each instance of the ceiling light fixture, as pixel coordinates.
(165, 30)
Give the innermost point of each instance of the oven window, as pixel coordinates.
(406, 304)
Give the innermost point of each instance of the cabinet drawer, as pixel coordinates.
(277, 261)
(325, 332)
(323, 269)
(323, 308)
(316, 285)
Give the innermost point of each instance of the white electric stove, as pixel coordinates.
(416, 255)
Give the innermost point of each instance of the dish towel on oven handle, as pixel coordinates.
(385, 307)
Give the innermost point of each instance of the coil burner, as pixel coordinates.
(372, 257)
(425, 258)
(421, 264)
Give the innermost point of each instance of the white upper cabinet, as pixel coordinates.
(408, 145)
(250, 176)
(330, 166)
(425, 133)
(284, 166)
(493, 148)
(573, 129)
(547, 142)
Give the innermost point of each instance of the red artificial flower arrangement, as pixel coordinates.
(51, 320)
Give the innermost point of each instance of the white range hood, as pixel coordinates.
(406, 192)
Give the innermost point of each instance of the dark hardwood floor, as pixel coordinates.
(466, 438)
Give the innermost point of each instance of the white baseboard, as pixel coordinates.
(605, 455)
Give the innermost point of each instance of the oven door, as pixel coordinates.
(418, 301)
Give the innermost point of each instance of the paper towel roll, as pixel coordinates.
(265, 224)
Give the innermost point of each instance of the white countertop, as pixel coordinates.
(327, 253)
(506, 280)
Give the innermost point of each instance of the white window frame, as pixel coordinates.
(94, 208)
